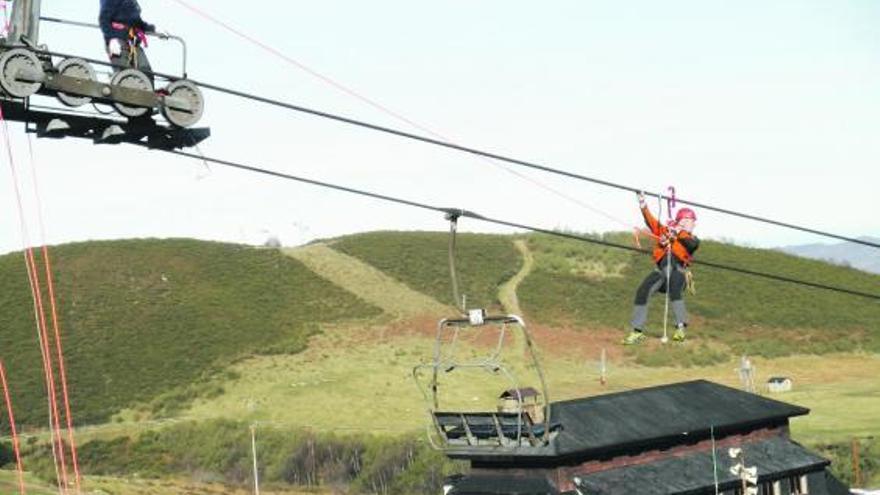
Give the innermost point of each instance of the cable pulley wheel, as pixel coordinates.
(79, 69)
(188, 93)
(13, 64)
(132, 79)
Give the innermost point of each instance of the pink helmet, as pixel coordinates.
(685, 213)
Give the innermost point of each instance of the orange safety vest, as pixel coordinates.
(660, 232)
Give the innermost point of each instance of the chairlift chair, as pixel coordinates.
(493, 429)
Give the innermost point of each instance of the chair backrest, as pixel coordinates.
(485, 428)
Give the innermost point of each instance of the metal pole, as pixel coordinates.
(714, 458)
(453, 227)
(254, 451)
(25, 22)
(162, 36)
(665, 338)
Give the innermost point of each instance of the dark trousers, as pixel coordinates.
(656, 282)
(137, 61)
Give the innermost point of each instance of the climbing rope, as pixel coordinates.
(56, 327)
(41, 324)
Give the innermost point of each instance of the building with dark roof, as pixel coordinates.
(671, 439)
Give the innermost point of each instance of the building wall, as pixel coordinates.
(783, 386)
(562, 476)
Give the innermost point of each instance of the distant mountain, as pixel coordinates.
(858, 256)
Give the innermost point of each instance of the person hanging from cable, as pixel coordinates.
(125, 34)
(672, 255)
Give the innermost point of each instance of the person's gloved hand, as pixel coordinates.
(668, 237)
(641, 195)
(114, 47)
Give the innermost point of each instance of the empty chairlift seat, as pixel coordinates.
(489, 428)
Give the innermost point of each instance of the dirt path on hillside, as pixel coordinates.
(366, 282)
(507, 292)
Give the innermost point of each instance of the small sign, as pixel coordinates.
(476, 316)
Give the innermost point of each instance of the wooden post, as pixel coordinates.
(603, 378)
(857, 472)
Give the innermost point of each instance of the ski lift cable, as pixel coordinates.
(478, 152)
(512, 224)
(386, 110)
(515, 161)
(493, 158)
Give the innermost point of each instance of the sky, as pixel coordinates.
(769, 108)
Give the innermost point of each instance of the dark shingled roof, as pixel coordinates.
(635, 418)
(502, 485)
(693, 473)
(654, 413)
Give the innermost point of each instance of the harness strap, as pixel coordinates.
(689, 280)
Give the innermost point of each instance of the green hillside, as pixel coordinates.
(588, 285)
(421, 261)
(143, 317)
(148, 321)
(214, 336)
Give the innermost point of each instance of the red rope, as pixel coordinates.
(46, 369)
(15, 443)
(386, 110)
(36, 293)
(50, 373)
(300, 65)
(55, 325)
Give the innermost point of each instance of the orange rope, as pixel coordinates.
(15, 443)
(36, 293)
(55, 325)
(386, 110)
(47, 363)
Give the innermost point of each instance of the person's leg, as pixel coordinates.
(649, 286)
(121, 61)
(132, 58)
(143, 64)
(677, 283)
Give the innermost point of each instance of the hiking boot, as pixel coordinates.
(634, 337)
(679, 335)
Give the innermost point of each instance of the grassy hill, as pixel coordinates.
(143, 317)
(587, 285)
(420, 260)
(152, 323)
(147, 321)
